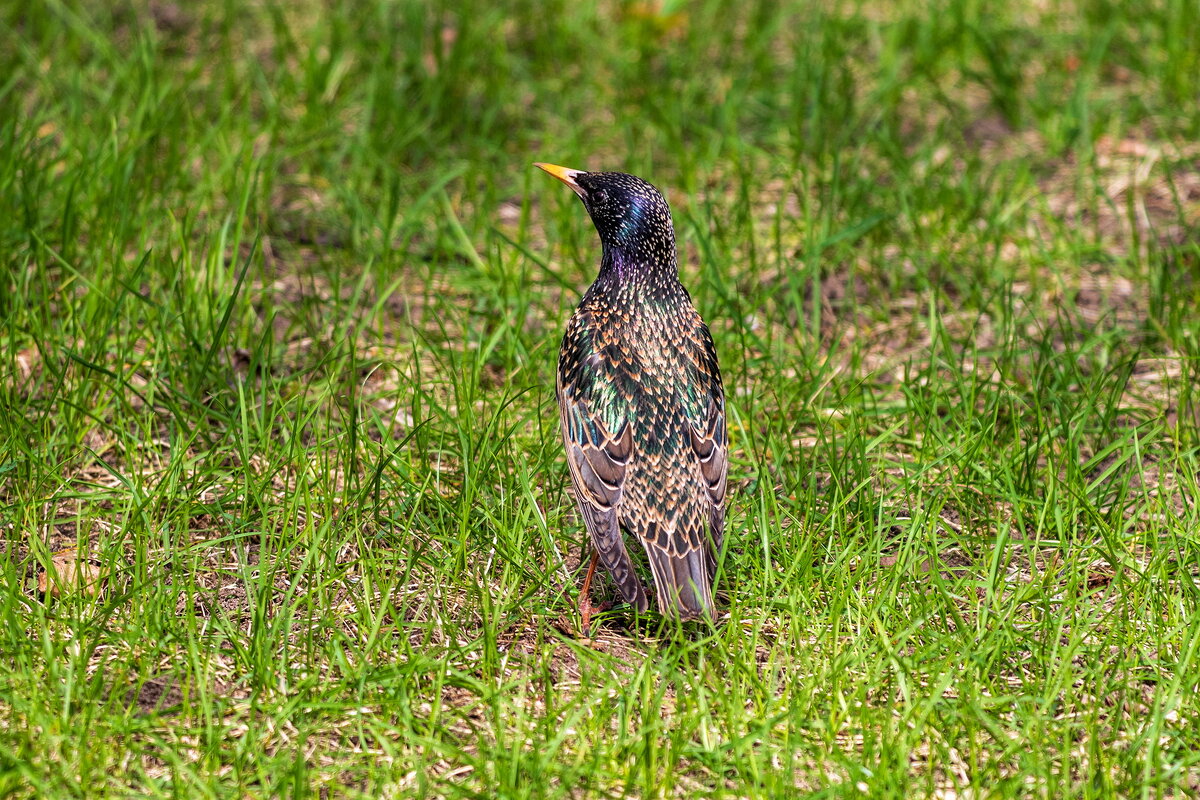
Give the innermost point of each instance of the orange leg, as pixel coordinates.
(585, 602)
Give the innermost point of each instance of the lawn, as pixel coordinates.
(283, 503)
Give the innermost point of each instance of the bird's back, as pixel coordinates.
(641, 355)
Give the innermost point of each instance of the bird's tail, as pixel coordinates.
(682, 581)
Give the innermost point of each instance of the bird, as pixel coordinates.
(642, 407)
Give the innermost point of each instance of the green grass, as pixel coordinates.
(281, 300)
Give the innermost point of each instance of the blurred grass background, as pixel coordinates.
(282, 302)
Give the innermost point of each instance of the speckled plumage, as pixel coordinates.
(643, 410)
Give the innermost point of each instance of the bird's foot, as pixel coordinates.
(585, 616)
(586, 609)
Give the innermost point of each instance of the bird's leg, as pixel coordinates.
(585, 603)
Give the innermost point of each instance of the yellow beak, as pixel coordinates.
(564, 174)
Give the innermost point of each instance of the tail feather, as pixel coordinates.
(683, 582)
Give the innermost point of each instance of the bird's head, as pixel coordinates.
(631, 216)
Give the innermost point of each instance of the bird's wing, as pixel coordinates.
(710, 442)
(598, 452)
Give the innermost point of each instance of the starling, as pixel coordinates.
(641, 404)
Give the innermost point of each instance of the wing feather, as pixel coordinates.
(597, 459)
(709, 437)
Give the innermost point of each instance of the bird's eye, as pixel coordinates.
(599, 196)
